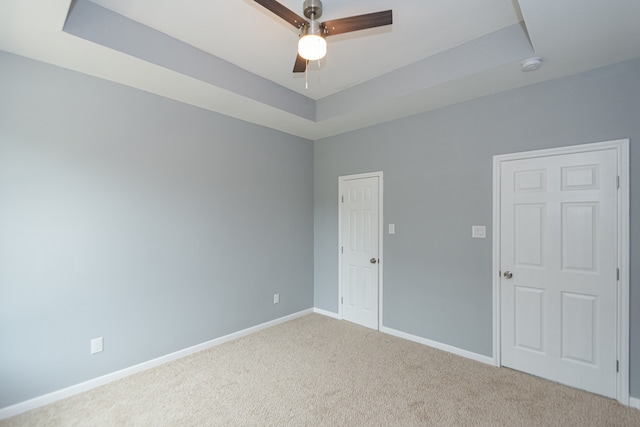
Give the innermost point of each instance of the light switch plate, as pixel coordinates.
(478, 231)
(392, 229)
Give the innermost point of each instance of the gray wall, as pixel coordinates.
(438, 183)
(151, 223)
(160, 226)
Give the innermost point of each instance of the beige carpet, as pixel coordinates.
(320, 371)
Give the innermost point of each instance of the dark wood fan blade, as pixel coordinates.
(300, 66)
(283, 12)
(359, 22)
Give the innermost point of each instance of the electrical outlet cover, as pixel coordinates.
(97, 345)
(479, 231)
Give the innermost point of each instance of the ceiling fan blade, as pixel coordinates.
(283, 12)
(301, 65)
(359, 22)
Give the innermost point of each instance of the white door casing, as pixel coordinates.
(559, 221)
(360, 251)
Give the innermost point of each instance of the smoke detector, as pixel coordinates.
(531, 64)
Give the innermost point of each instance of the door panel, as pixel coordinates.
(579, 230)
(578, 327)
(529, 317)
(559, 240)
(529, 234)
(360, 227)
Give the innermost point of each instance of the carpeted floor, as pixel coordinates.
(319, 371)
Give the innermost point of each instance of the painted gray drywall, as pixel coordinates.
(438, 183)
(151, 223)
(504, 46)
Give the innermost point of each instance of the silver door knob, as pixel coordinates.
(373, 260)
(508, 275)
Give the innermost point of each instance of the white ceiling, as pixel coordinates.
(248, 35)
(436, 53)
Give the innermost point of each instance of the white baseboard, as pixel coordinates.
(326, 313)
(633, 401)
(445, 347)
(46, 399)
(464, 353)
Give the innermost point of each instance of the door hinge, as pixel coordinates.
(617, 366)
(342, 199)
(617, 182)
(618, 274)
(341, 300)
(341, 249)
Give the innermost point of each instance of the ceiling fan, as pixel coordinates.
(312, 44)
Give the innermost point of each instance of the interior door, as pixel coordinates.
(360, 218)
(558, 260)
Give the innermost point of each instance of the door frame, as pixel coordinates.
(622, 334)
(341, 180)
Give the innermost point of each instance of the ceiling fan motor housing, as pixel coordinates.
(313, 28)
(312, 9)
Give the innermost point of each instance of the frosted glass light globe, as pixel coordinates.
(312, 47)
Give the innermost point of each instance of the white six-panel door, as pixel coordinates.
(558, 258)
(359, 220)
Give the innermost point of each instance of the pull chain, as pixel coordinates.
(306, 76)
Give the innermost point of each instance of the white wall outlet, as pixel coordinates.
(392, 229)
(478, 231)
(97, 345)
(276, 298)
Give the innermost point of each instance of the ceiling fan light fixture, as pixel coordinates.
(312, 46)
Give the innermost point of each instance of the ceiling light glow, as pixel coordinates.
(312, 46)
